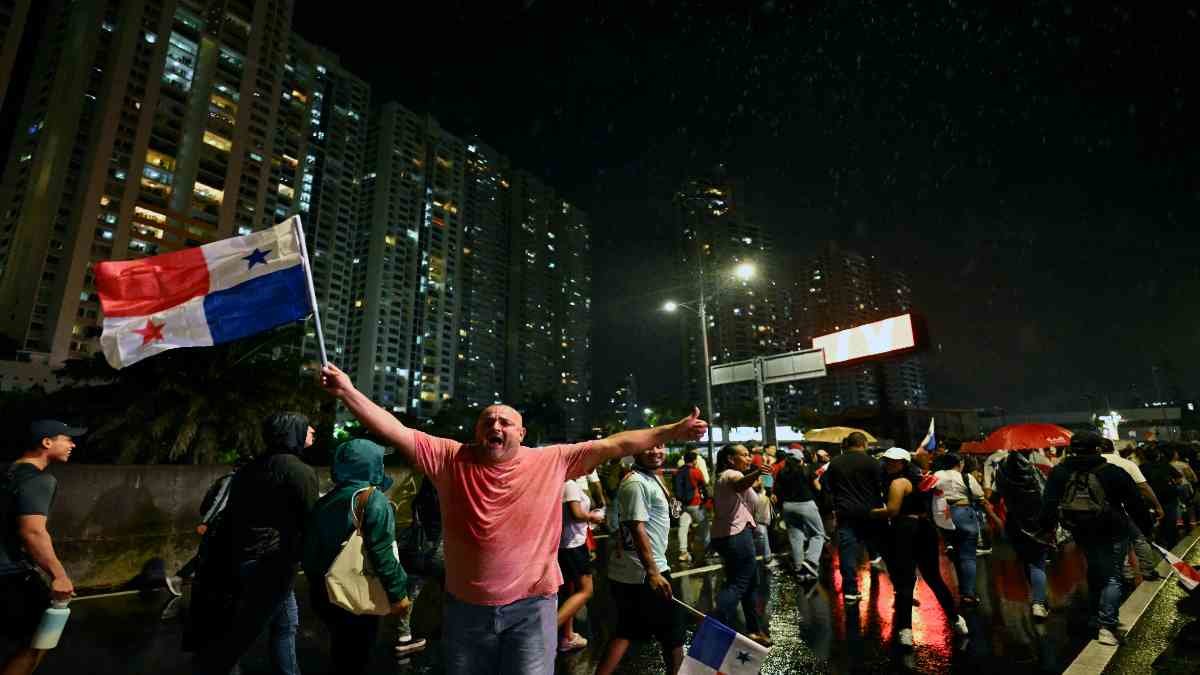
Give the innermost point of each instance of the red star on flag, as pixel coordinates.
(150, 332)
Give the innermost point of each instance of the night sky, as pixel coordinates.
(1031, 166)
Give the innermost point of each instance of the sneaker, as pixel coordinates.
(410, 646)
(773, 565)
(685, 557)
(811, 568)
(1040, 611)
(960, 626)
(851, 597)
(576, 643)
(1108, 637)
(983, 552)
(877, 564)
(906, 638)
(174, 585)
(762, 639)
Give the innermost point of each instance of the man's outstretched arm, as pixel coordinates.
(634, 441)
(377, 420)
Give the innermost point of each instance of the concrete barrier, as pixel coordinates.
(108, 522)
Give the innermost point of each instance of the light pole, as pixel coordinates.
(744, 272)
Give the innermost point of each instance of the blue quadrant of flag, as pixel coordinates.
(257, 305)
(711, 643)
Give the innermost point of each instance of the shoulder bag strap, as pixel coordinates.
(358, 506)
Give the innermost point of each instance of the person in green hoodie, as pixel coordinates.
(357, 465)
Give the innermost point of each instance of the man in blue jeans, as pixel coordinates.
(852, 482)
(501, 507)
(269, 502)
(1092, 498)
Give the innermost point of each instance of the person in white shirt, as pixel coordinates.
(575, 563)
(1138, 523)
(964, 495)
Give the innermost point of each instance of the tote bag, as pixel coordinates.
(350, 581)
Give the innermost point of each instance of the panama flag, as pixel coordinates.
(717, 649)
(930, 442)
(203, 296)
(1189, 578)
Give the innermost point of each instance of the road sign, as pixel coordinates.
(737, 371)
(802, 365)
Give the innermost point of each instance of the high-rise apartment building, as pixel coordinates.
(13, 14)
(404, 321)
(185, 122)
(317, 167)
(483, 329)
(549, 290)
(715, 238)
(146, 128)
(472, 279)
(149, 126)
(834, 289)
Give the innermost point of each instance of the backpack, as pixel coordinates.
(1084, 505)
(1021, 484)
(682, 485)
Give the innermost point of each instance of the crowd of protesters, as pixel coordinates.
(507, 532)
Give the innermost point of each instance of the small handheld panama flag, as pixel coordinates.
(1189, 578)
(719, 650)
(207, 295)
(930, 441)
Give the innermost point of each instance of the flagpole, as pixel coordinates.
(298, 228)
(700, 615)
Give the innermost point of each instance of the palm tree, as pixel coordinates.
(195, 405)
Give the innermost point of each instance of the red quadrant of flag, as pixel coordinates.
(139, 287)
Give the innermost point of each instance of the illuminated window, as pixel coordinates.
(158, 159)
(287, 191)
(218, 142)
(208, 194)
(142, 213)
(180, 66)
(147, 231)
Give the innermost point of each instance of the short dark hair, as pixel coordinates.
(855, 439)
(689, 456)
(1086, 442)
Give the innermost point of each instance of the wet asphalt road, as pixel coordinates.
(813, 631)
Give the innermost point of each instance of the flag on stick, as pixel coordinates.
(206, 295)
(1189, 578)
(717, 649)
(930, 440)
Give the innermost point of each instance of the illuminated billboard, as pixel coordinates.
(872, 339)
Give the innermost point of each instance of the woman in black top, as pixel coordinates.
(912, 542)
(795, 489)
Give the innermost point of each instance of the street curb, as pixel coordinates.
(1095, 657)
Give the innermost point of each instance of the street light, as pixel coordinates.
(744, 272)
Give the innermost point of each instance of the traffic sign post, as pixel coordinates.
(804, 364)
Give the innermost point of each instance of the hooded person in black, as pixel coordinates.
(269, 502)
(1020, 485)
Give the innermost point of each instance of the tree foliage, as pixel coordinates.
(185, 406)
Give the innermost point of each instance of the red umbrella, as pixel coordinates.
(1022, 436)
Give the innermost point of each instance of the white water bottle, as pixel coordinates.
(51, 627)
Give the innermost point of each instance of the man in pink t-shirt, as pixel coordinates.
(502, 519)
